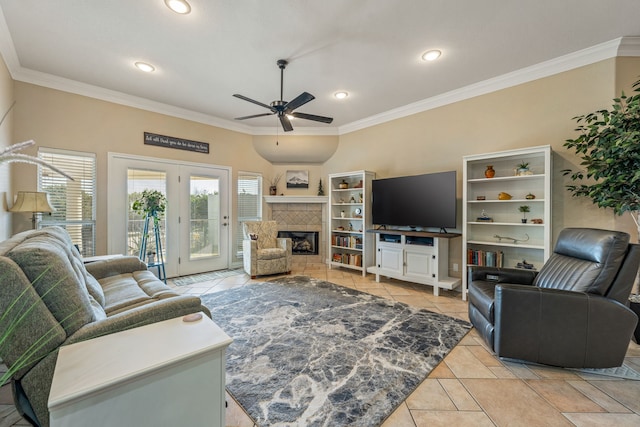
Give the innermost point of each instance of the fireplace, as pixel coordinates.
(303, 242)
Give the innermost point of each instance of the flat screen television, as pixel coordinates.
(425, 201)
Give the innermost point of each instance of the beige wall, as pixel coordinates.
(62, 120)
(531, 114)
(6, 196)
(535, 113)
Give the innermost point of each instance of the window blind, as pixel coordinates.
(74, 201)
(249, 203)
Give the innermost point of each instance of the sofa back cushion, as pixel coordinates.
(28, 329)
(584, 260)
(266, 232)
(51, 263)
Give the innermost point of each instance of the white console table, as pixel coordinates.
(167, 373)
(415, 256)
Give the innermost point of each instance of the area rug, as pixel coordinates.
(311, 353)
(205, 277)
(625, 371)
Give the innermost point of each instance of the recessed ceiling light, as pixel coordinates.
(341, 95)
(431, 55)
(143, 66)
(178, 6)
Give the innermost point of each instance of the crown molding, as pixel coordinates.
(625, 46)
(7, 48)
(629, 46)
(96, 92)
(67, 85)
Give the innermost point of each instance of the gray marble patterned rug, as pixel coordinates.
(311, 353)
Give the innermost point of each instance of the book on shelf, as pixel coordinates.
(349, 259)
(347, 241)
(485, 258)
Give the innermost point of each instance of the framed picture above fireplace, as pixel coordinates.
(298, 179)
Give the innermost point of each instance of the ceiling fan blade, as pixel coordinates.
(286, 124)
(254, 116)
(300, 100)
(306, 116)
(254, 102)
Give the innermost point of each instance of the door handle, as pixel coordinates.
(224, 224)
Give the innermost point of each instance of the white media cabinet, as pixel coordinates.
(415, 256)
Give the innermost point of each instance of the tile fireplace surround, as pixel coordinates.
(302, 214)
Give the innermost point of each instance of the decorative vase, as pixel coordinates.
(273, 190)
(490, 172)
(343, 185)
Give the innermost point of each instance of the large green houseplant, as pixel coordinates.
(609, 149)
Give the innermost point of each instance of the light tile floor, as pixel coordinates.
(471, 387)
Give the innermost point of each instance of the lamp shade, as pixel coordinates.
(32, 201)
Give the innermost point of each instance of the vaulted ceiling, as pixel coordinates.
(371, 49)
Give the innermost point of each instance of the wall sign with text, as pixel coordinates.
(177, 143)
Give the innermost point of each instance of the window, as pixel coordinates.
(249, 202)
(74, 201)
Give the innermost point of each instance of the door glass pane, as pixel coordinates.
(204, 225)
(139, 180)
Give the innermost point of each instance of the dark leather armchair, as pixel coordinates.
(572, 313)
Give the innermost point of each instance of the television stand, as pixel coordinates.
(415, 256)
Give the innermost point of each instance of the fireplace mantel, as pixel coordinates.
(296, 199)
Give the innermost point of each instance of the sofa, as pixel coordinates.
(49, 298)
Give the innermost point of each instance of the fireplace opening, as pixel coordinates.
(303, 242)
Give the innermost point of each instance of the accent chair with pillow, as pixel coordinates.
(572, 313)
(263, 251)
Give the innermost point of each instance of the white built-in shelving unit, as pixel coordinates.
(493, 231)
(349, 218)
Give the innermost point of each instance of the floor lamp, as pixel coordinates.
(32, 201)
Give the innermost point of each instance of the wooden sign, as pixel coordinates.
(177, 143)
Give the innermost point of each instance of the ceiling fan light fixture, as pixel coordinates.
(143, 66)
(341, 94)
(431, 55)
(178, 6)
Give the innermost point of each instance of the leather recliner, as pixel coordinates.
(572, 313)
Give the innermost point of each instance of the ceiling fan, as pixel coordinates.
(284, 109)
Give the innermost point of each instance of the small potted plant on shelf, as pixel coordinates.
(523, 169)
(524, 209)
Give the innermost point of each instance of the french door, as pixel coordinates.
(195, 228)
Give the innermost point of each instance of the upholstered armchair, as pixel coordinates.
(572, 313)
(263, 252)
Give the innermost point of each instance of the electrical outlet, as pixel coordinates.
(455, 266)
